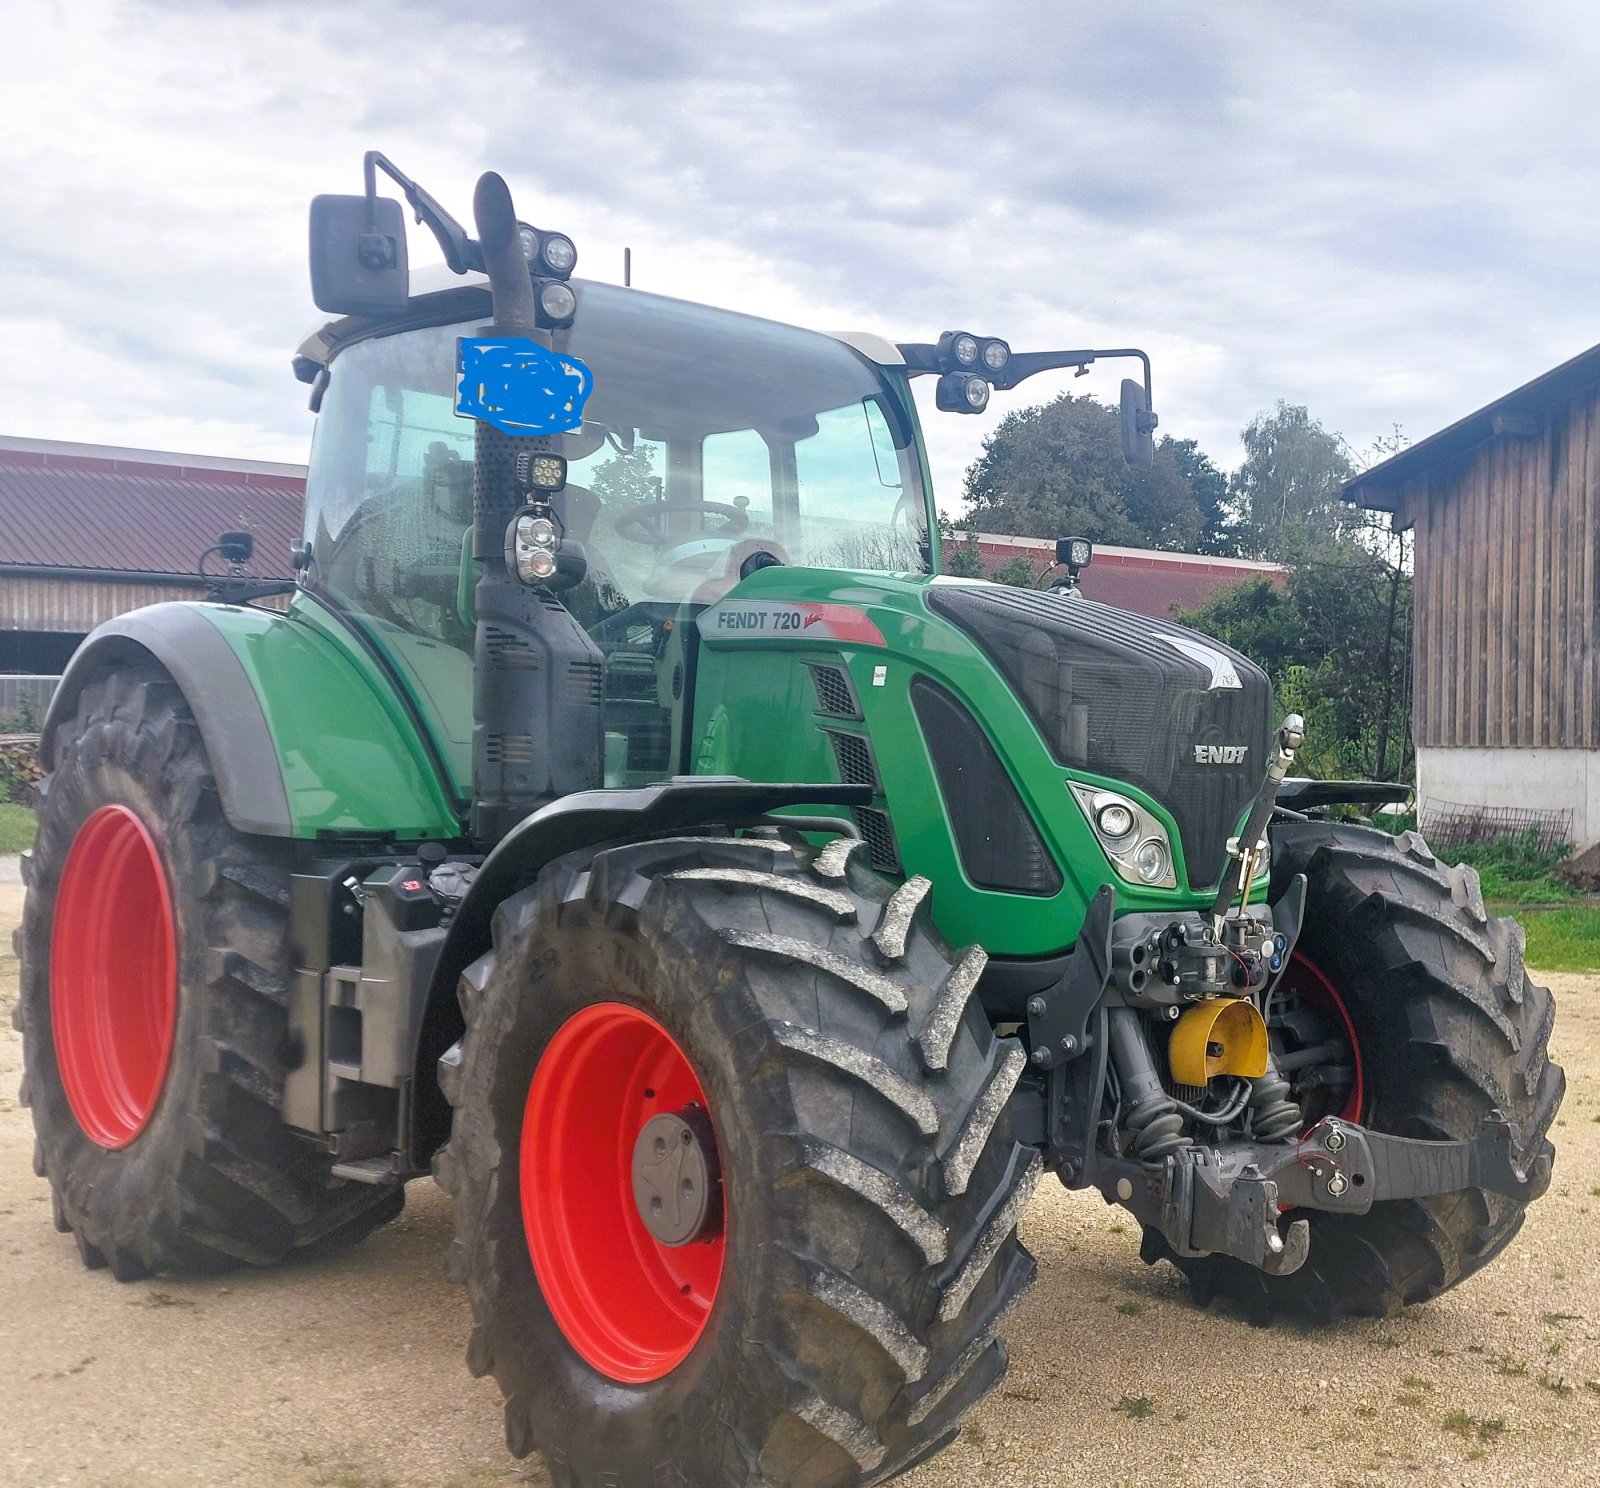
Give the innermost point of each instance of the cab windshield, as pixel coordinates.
(710, 439)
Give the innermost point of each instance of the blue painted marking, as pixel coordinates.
(518, 386)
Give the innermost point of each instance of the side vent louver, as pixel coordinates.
(878, 834)
(835, 696)
(509, 650)
(853, 755)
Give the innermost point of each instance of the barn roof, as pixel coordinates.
(1145, 580)
(1519, 414)
(96, 509)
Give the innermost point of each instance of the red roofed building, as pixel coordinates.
(1139, 579)
(90, 531)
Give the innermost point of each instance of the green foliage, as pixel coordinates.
(1285, 496)
(17, 826)
(1056, 470)
(1018, 572)
(1514, 868)
(1562, 939)
(24, 719)
(1209, 487)
(627, 479)
(1324, 639)
(962, 559)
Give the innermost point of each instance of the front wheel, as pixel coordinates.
(735, 1179)
(1428, 1021)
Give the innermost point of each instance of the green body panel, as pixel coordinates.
(351, 757)
(756, 715)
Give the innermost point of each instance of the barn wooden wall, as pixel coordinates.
(29, 602)
(1506, 650)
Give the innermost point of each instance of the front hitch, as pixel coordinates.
(1229, 1200)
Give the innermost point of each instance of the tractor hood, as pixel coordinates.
(973, 709)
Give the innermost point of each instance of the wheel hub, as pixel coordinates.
(675, 1178)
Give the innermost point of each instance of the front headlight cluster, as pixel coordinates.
(1134, 841)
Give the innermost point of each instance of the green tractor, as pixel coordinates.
(624, 820)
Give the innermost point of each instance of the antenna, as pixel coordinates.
(627, 268)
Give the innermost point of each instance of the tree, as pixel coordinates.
(628, 478)
(1209, 486)
(1057, 469)
(1335, 640)
(1285, 495)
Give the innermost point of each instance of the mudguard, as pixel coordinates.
(305, 736)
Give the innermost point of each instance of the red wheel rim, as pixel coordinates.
(1319, 992)
(113, 977)
(632, 1307)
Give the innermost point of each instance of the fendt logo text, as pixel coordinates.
(1220, 754)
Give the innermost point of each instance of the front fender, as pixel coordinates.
(306, 738)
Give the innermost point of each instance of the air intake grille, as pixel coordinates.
(835, 696)
(585, 681)
(853, 755)
(878, 834)
(509, 650)
(999, 845)
(509, 749)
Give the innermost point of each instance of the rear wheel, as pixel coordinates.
(735, 1179)
(1422, 1006)
(153, 1007)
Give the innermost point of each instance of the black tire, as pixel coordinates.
(873, 1177)
(1448, 1027)
(214, 1179)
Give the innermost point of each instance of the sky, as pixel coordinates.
(1382, 209)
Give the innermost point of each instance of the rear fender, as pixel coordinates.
(303, 739)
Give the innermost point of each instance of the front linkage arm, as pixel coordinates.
(1227, 1200)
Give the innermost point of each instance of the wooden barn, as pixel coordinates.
(89, 531)
(1505, 508)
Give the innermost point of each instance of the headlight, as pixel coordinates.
(1115, 820)
(995, 355)
(531, 542)
(961, 392)
(1150, 860)
(1132, 838)
(557, 302)
(559, 253)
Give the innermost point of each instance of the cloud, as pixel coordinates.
(1378, 209)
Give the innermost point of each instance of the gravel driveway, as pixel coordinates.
(348, 1373)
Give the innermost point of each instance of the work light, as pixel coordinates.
(961, 392)
(548, 253)
(557, 303)
(541, 472)
(996, 354)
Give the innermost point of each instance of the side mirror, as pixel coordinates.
(1138, 426)
(358, 255)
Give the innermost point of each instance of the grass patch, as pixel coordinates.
(1136, 1407)
(1485, 1429)
(1514, 868)
(1560, 939)
(16, 827)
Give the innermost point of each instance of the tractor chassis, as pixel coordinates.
(1228, 1200)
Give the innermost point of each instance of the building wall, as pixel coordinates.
(1507, 541)
(1541, 779)
(74, 605)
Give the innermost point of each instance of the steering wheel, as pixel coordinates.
(645, 524)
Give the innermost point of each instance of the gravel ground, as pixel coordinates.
(348, 1373)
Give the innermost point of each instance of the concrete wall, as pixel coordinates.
(1542, 779)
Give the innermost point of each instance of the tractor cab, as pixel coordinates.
(714, 444)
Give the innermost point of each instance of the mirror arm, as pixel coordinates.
(460, 252)
(922, 358)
